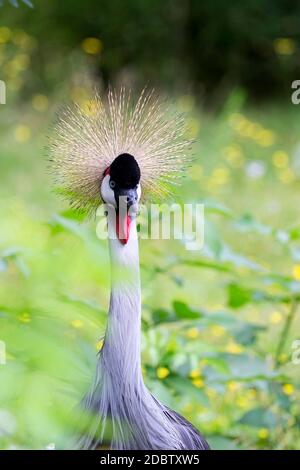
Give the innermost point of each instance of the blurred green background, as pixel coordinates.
(218, 324)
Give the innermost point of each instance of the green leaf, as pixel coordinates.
(283, 400)
(261, 418)
(179, 281)
(246, 333)
(205, 263)
(238, 295)
(161, 316)
(183, 311)
(184, 387)
(219, 364)
(244, 366)
(294, 233)
(161, 391)
(221, 443)
(221, 318)
(73, 214)
(61, 223)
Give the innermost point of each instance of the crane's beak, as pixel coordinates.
(126, 199)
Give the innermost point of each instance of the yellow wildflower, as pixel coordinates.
(21, 62)
(263, 433)
(251, 394)
(40, 102)
(286, 176)
(288, 389)
(192, 333)
(77, 324)
(265, 138)
(284, 46)
(280, 159)
(199, 383)
(5, 34)
(275, 317)
(237, 121)
(220, 176)
(24, 317)
(22, 133)
(92, 46)
(234, 348)
(296, 272)
(162, 372)
(233, 386)
(195, 373)
(282, 358)
(233, 154)
(217, 331)
(242, 402)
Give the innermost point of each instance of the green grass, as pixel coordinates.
(212, 320)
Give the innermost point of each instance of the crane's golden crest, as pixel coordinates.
(85, 143)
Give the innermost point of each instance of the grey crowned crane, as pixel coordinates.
(118, 151)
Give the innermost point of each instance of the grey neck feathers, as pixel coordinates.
(125, 413)
(123, 334)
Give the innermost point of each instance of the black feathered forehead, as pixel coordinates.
(125, 171)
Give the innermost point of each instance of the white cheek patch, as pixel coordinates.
(107, 193)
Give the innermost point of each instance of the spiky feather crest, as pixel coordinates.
(86, 142)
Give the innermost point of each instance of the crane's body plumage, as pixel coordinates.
(120, 150)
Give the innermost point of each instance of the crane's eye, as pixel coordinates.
(112, 184)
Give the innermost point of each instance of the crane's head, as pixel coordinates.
(121, 189)
(106, 151)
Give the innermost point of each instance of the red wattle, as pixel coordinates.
(123, 228)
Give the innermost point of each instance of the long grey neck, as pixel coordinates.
(121, 350)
